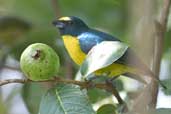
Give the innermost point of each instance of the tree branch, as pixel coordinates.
(8, 81)
(55, 7)
(161, 26)
(164, 14)
(82, 84)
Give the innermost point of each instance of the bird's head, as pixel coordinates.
(70, 25)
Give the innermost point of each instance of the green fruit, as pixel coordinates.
(39, 62)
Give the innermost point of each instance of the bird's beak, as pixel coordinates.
(58, 24)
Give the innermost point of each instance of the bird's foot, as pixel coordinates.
(88, 85)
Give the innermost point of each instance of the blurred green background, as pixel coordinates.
(23, 22)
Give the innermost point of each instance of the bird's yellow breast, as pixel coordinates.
(73, 47)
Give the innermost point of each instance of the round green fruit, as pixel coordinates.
(39, 62)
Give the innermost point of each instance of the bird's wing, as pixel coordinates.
(93, 37)
(89, 39)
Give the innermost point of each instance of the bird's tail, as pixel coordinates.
(145, 70)
(155, 78)
(148, 72)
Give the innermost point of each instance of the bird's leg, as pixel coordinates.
(112, 88)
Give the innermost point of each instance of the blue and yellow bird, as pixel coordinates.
(79, 39)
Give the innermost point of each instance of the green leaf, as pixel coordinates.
(107, 109)
(102, 55)
(168, 86)
(65, 99)
(22, 8)
(3, 55)
(12, 29)
(3, 108)
(29, 91)
(160, 111)
(96, 95)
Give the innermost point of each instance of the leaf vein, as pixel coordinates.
(60, 102)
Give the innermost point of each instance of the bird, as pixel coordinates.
(79, 39)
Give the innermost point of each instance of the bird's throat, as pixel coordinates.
(73, 47)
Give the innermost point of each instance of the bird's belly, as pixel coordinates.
(116, 69)
(73, 47)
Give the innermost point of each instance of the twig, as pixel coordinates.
(164, 14)
(8, 81)
(68, 69)
(55, 7)
(158, 47)
(68, 81)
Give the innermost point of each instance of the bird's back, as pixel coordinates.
(92, 37)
